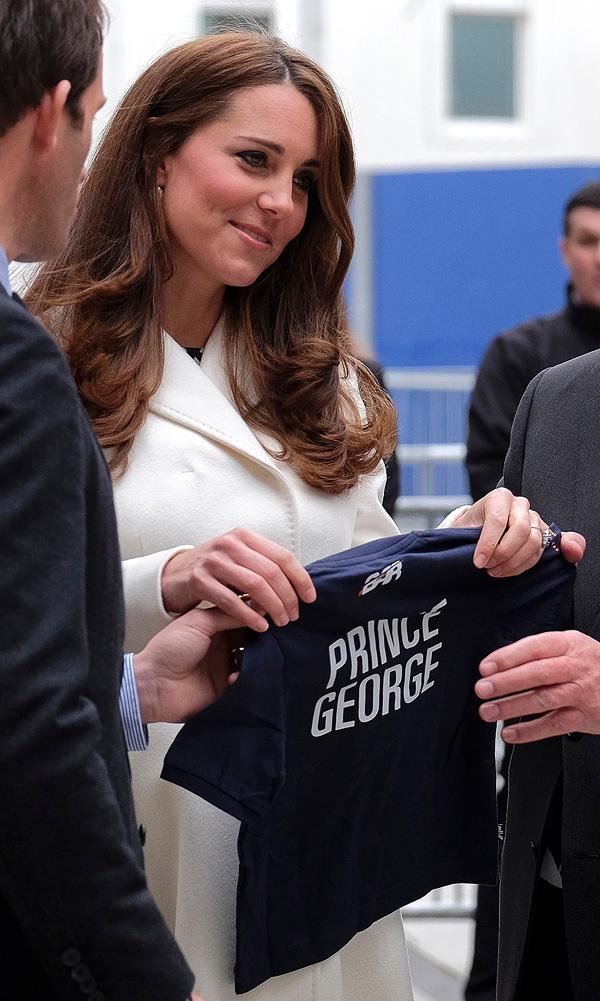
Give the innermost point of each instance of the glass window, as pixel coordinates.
(483, 66)
(217, 19)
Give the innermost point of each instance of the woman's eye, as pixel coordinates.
(253, 157)
(305, 181)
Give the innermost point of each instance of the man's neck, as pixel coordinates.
(7, 241)
(15, 171)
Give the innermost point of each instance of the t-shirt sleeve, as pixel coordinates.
(233, 753)
(534, 602)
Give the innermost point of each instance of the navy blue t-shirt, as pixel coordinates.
(351, 746)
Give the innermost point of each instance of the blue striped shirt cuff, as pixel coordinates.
(136, 734)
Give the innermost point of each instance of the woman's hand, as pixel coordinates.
(240, 562)
(511, 534)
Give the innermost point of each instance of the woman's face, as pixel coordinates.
(236, 192)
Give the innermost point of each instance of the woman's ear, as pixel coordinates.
(161, 175)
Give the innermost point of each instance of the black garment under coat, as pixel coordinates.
(509, 364)
(392, 466)
(554, 460)
(76, 918)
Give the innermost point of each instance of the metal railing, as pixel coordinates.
(432, 406)
(425, 506)
(454, 380)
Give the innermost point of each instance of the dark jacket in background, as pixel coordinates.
(392, 466)
(511, 361)
(76, 918)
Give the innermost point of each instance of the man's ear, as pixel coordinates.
(48, 115)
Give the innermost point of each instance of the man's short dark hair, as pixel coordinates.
(41, 43)
(587, 197)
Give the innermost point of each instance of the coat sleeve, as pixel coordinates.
(145, 614)
(70, 881)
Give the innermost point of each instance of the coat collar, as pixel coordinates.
(585, 517)
(198, 397)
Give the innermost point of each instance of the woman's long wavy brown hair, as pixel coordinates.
(286, 331)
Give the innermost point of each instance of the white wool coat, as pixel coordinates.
(197, 470)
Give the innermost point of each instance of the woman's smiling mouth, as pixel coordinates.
(256, 236)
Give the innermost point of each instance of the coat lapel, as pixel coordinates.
(197, 396)
(586, 519)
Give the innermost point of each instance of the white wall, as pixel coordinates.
(140, 30)
(393, 73)
(388, 58)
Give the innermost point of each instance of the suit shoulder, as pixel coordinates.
(565, 387)
(28, 352)
(18, 324)
(39, 403)
(578, 374)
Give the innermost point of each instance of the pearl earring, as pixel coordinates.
(161, 189)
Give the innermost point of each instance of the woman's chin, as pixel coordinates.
(244, 280)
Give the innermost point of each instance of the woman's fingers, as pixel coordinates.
(506, 529)
(521, 546)
(238, 563)
(511, 539)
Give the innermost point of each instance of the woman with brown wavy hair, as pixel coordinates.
(214, 227)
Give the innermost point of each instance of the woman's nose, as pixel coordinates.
(278, 199)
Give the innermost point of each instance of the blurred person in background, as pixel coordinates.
(199, 304)
(514, 358)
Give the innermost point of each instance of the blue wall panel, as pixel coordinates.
(460, 255)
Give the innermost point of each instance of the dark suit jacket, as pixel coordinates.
(76, 918)
(554, 460)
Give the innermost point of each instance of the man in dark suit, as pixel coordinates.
(550, 885)
(510, 362)
(76, 918)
